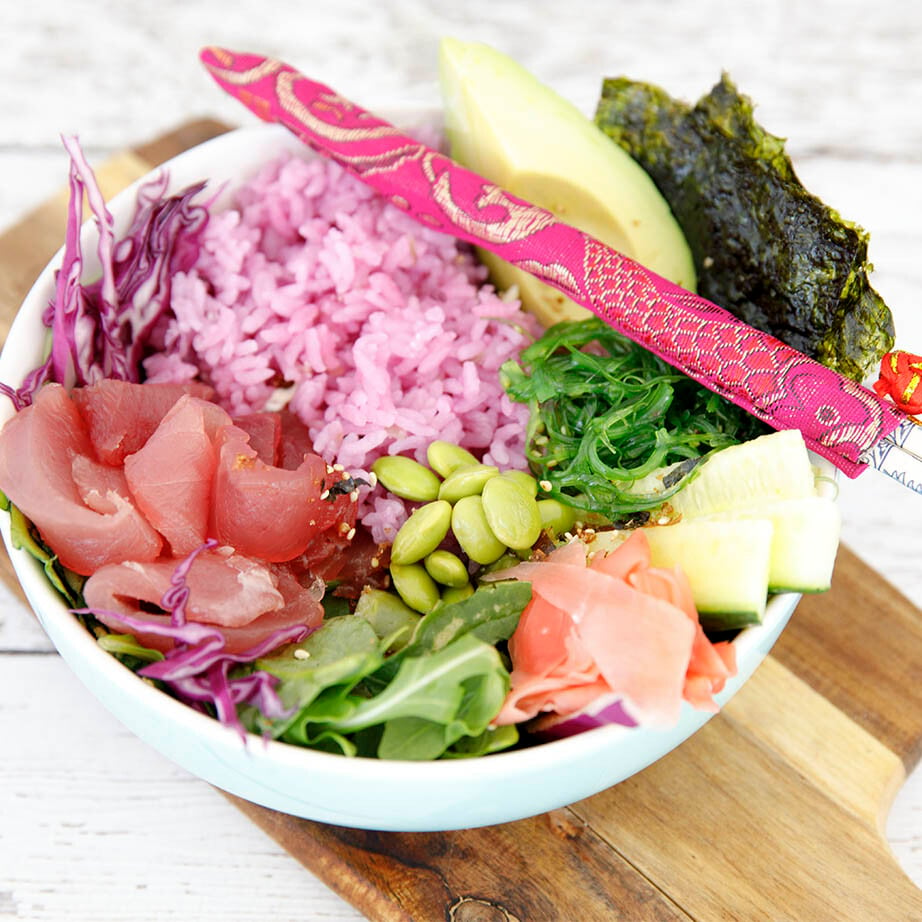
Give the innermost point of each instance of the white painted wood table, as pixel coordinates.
(93, 824)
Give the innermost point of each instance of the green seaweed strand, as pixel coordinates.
(606, 413)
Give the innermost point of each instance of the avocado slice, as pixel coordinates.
(504, 124)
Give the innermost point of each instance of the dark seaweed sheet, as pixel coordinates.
(764, 247)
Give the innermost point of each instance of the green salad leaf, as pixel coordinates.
(764, 248)
(345, 691)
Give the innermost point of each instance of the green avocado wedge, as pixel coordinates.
(504, 124)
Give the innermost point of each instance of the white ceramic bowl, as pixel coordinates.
(365, 793)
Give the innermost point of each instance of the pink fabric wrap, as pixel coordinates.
(839, 419)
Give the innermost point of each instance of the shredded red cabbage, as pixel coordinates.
(197, 668)
(102, 329)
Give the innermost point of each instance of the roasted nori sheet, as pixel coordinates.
(764, 247)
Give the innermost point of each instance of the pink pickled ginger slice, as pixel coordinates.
(637, 626)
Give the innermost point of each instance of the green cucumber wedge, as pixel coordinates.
(805, 540)
(727, 563)
(766, 469)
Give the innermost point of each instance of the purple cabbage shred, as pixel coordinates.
(103, 329)
(197, 668)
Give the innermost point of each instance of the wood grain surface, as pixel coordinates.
(773, 811)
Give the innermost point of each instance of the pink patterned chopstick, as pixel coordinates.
(839, 419)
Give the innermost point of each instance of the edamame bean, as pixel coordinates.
(457, 593)
(422, 532)
(406, 478)
(466, 480)
(444, 457)
(446, 568)
(415, 586)
(556, 517)
(470, 527)
(524, 479)
(388, 615)
(511, 512)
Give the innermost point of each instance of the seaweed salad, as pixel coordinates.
(764, 247)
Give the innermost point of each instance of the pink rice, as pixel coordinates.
(383, 330)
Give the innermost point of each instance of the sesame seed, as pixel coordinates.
(354, 496)
(375, 562)
(545, 485)
(302, 654)
(350, 534)
(325, 494)
(338, 467)
(372, 480)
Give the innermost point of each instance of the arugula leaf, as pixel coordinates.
(493, 739)
(330, 663)
(445, 686)
(129, 650)
(491, 614)
(432, 686)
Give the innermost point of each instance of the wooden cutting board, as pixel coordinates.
(774, 811)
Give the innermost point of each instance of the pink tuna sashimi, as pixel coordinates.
(295, 441)
(265, 432)
(269, 512)
(121, 416)
(40, 448)
(171, 475)
(245, 598)
(96, 482)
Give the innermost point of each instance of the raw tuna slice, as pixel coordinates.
(41, 447)
(265, 432)
(246, 599)
(95, 482)
(295, 441)
(269, 512)
(122, 416)
(171, 475)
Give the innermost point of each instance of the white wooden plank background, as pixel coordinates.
(94, 825)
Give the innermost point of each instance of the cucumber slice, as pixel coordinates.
(727, 563)
(767, 469)
(750, 522)
(805, 540)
